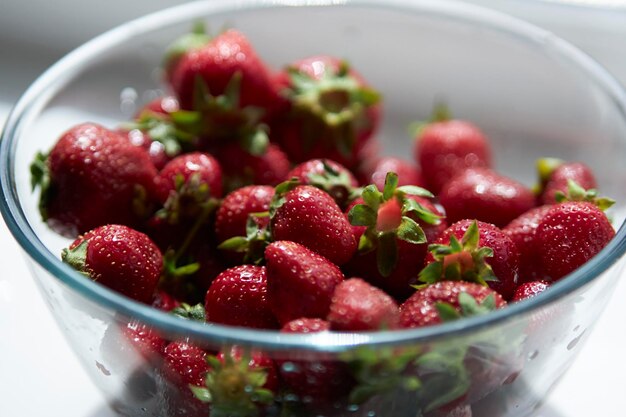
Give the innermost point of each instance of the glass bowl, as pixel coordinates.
(532, 93)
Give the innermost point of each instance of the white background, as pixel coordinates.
(39, 375)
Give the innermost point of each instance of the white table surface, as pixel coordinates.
(39, 375)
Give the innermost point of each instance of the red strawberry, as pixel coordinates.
(300, 282)
(392, 228)
(120, 258)
(329, 176)
(314, 381)
(243, 168)
(555, 175)
(195, 169)
(91, 177)
(444, 149)
(522, 232)
(570, 234)
(185, 364)
(147, 341)
(485, 195)
(215, 61)
(156, 150)
(309, 216)
(359, 306)
(442, 300)
(408, 173)
(333, 111)
(529, 289)
(475, 251)
(162, 105)
(238, 297)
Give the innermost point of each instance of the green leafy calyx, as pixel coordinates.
(577, 193)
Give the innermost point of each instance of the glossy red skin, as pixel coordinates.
(162, 105)
(444, 149)
(147, 342)
(420, 309)
(94, 173)
(483, 194)
(185, 364)
(216, 63)
(408, 173)
(290, 129)
(155, 149)
(522, 231)
(124, 260)
(570, 234)
(242, 168)
(505, 260)
(300, 282)
(238, 297)
(410, 257)
(359, 306)
(316, 380)
(316, 166)
(311, 217)
(529, 290)
(257, 360)
(576, 171)
(201, 164)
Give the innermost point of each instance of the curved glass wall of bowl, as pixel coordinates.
(531, 92)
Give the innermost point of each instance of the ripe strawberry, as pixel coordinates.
(162, 105)
(522, 231)
(309, 216)
(333, 112)
(570, 234)
(242, 167)
(475, 251)
(483, 194)
(408, 173)
(91, 177)
(145, 340)
(154, 148)
(300, 282)
(359, 306)
(445, 148)
(197, 170)
(444, 300)
(529, 289)
(555, 174)
(314, 381)
(120, 258)
(329, 176)
(184, 364)
(392, 228)
(238, 297)
(214, 62)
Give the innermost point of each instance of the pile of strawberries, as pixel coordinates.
(257, 199)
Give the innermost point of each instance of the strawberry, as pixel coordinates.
(393, 228)
(359, 306)
(197, 170)
(472, 250)
(309, 216)
(214, 62)
(447, 300)
(333, 112)
(555, 174)
(238, 208)
(329, 176)
(445, 148)
(300, 282)
(238, 297)
(570, 234)
(483, 194)
(184, 364)
(120, 258)
(529, 289)
(91, 177)
(162, 105)
(408, 173)
(314, 381)
(147, 341)
(522, 231)
(154, 148)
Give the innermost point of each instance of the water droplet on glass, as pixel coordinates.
(532, 355)
(571, 345)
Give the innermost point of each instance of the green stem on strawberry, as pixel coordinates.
(76, 257)
(40, 177)
(254, 243)
(197, 38)
(440, 113)
(577, 193)
(388, 216)
(337, 184)
(194, 312)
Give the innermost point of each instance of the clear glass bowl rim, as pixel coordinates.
(63, 71)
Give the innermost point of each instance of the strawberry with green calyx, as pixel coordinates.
(329, 176)
(309, 216)
(554, 175)
(473, 251)
(253, 244)
(333, 112)
(239, 383)
(575, 192)
(388, 217)
(197, 38)
(408, 173)
(190, 312)
(118, 257)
